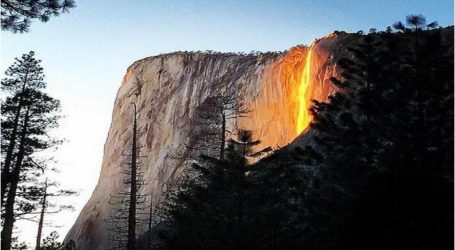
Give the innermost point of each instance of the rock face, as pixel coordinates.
(168, 88)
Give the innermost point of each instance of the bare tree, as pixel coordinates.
(130, 203)
(49, 192)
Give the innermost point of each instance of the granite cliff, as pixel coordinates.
(277, 87)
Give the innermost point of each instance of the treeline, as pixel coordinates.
(378, 174)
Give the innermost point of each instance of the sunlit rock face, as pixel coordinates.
(277, 87)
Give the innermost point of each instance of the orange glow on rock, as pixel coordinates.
(280, 111)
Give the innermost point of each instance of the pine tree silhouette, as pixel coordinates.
(17, 15)
(27, 115)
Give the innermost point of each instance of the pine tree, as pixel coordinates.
(51, 242)
(18, 245)
(208, 209)
(17, 15)
(24, 74)
(278, 185)
(244, 146)
(27, 115)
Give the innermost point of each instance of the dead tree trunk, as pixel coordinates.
(41, 218)
(131, 244)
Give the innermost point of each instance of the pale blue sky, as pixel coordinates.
(85, 54)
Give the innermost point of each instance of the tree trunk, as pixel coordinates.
(41, 218)
(8, 225)
(239, 243)
(5, 176)
(131, 243)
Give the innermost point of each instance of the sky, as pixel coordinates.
(86, 53)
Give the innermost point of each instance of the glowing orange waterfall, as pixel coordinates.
(303, 116)
(280, 112)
